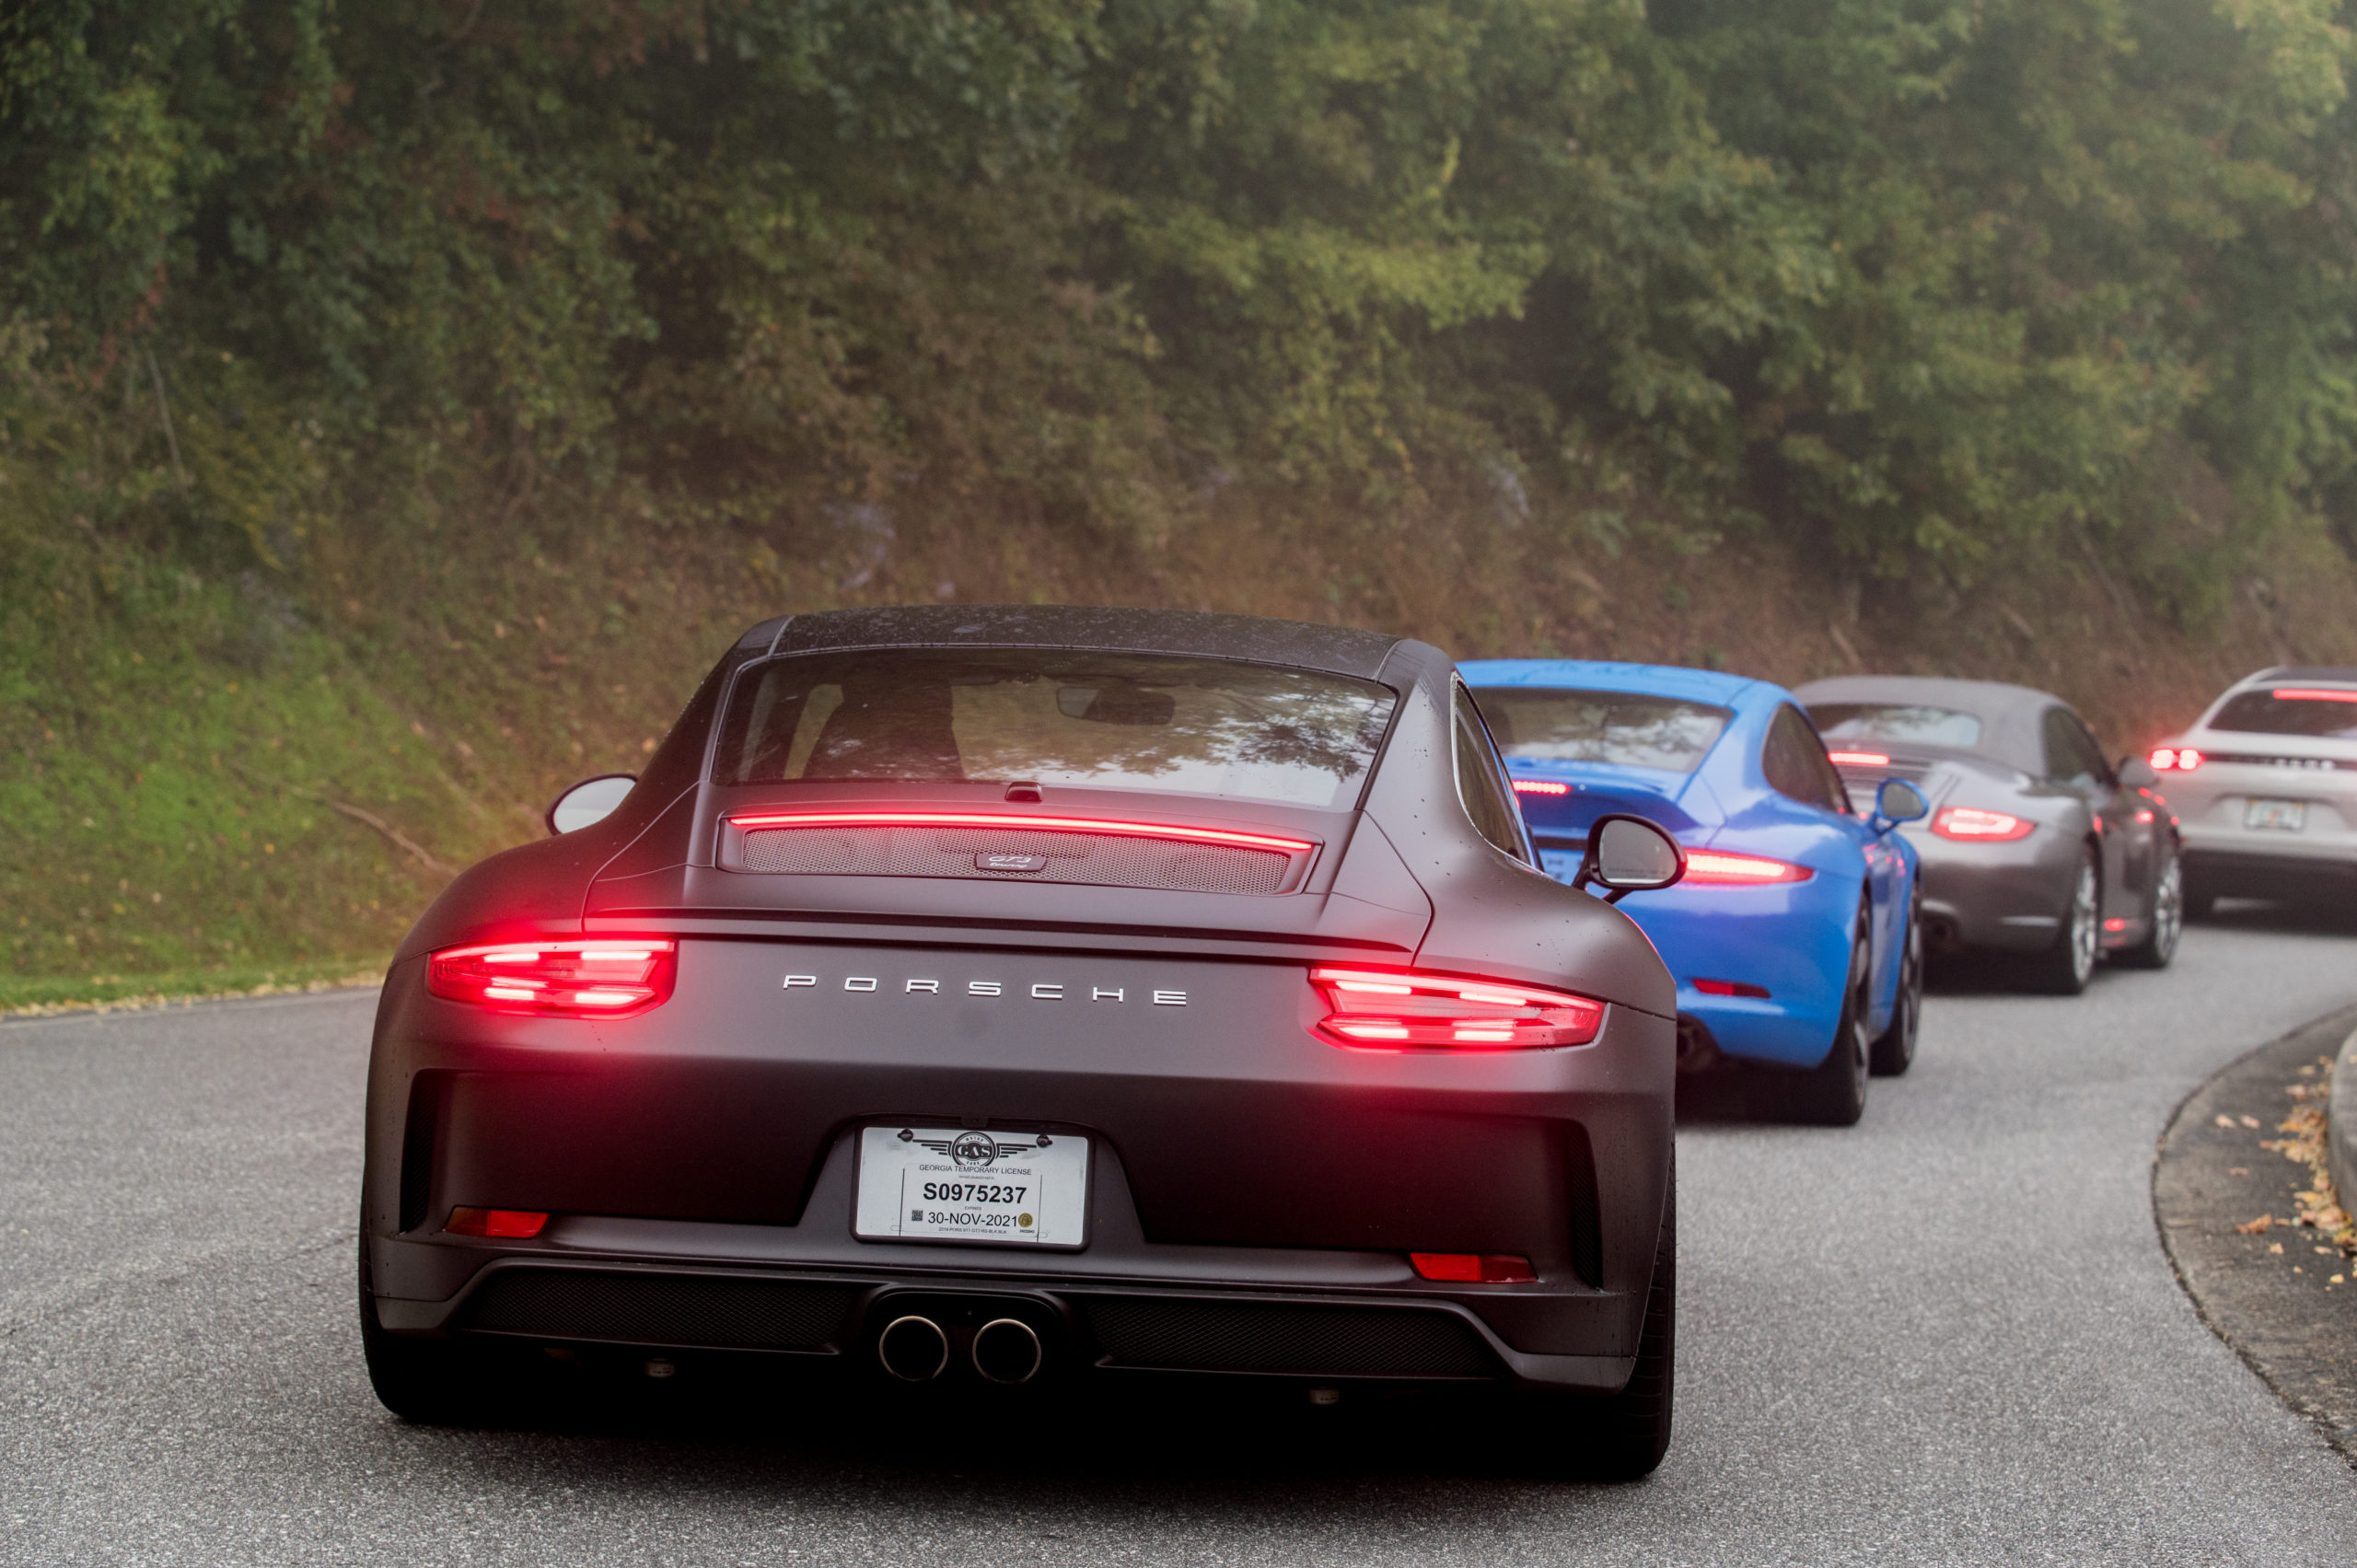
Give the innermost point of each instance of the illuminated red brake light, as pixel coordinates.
(1971, 824)
(508, 1224)
(769, 820)
(614, 977)
(1540, 787)
(1475, 1268)
(1718, 868)
(2177, 759)
(1859, 759)
(2306, 694)
(1396, 1010)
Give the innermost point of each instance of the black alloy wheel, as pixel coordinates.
(1833, 1093)
(1894, 1051)
(2065, 967)
(2167, 915)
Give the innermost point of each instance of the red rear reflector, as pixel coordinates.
(2115, 925)
(1859, 759)
(613, 977)
(1712, 868)
(1393, 1010)
(2305, 694)
(1973, 824)
(508, 1224)
(2183, 759)
(1475, 1268)
(1540, 787)
(1730, 988)
(1013, 821)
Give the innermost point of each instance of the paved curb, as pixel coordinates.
(2297, 1330)
(2340, 1136)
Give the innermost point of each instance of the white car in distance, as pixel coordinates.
(2265, 789)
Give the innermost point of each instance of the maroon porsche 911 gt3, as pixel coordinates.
(1000, 994)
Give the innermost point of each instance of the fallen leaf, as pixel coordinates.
(2276, 1247)
(2226, 1122)
(2257, 1226)
(2238, 1170)
(2250, 1121)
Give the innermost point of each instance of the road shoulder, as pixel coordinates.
(2269, 1292)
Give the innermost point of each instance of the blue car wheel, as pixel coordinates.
(1894, 1050)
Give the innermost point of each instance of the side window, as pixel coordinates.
(1481, 781)
(1796, 766)
(2072, 755)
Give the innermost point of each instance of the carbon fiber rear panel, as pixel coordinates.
(580, 1303)
(1315, 1340)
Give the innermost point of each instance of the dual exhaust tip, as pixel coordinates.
(916, 1349)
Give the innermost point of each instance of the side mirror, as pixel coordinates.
(590, 801)
(1897, 801)
(1629, 854)
(2137, 773)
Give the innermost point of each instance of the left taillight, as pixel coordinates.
(608, 979)
(1396, 1010)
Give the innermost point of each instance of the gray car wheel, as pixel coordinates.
(2064, 968)
(2159, 945)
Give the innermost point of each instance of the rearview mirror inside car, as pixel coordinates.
(1629, 854)
(590, 801)
(1897, 801)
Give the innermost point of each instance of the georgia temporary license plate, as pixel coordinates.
(957, 1184)
(2281, 816)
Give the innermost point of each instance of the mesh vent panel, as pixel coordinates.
(1106, 860)
(651, 1309)
(1315, 1340)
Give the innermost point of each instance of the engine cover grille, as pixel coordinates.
(1104, 860)
(1315, 1341)
(580, 1303)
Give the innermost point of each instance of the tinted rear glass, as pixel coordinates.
(1056, 716)
(1902, 722)
(2332, 718)
(1601, 726)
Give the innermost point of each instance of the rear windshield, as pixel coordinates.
(1537, 724)
(1057, 716)
(2318, 712)
(1902, 722)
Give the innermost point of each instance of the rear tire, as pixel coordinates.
(2159, 945)
(2065, 967)
(1624, 1437)
(1833, 1093)
(1894, 1051)
(427, 1382)
(1633, 1432)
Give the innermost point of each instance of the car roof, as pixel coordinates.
(2010, 716)
(1605, 675)
(2301, 672)
(1341, 650)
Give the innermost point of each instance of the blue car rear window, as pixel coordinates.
(1635, 731)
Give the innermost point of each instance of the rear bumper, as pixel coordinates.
(1122, 1305)
(2241, 872)
(1241, 1166)
(2009, 896)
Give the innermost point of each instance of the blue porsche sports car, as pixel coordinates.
(1793, 935)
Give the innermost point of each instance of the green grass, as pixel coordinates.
(46, 994)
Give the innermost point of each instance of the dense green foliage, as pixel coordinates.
(336, 339)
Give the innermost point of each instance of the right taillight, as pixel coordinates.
(1398, 1010)
(2175, 759)
(1971, 824)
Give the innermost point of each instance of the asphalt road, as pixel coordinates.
(1947, 1335)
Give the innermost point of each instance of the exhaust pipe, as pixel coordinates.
(913, 1348)
(1007, 1350)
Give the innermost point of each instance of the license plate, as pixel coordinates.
(957, 1184)
(2278, 815)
